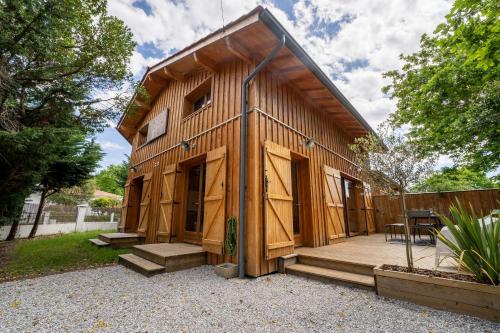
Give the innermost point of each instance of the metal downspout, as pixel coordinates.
(243, 150)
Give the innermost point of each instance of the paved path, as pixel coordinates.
(115, 299)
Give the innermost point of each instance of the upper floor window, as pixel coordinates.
(198, 99)
(143, 135)
(153, 129)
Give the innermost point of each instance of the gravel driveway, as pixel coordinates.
(115, 299)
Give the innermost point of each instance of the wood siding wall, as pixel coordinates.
(277, 113)
(387, 208)
(215, 126)
(282, 116)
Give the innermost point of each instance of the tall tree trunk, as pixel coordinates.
(409, 254)
(38, 214)
(14, 226)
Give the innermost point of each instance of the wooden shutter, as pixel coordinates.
(158, 125)
(145, 203)
(278, 203)
(334, 215)
(368, 208)
(167, 203)
(214, 211)
(123, 216)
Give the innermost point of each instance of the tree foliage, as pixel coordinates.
(76, 160)
(113, 178)
(392, 163)
(59, 62)
(74, 195)
(449, 91)
(455, 179)
(104, 203)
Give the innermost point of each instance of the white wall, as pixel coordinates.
(63, 228)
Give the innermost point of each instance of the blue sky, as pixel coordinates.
(353, 41)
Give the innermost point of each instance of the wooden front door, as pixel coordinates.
(193, 224)
(334, 204)
(368, 208)
(145, 204)
(278, 204)
(298, 228)
(350, 207)
(129, 219)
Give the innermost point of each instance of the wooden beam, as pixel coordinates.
(173, 74)
(238, 50)
(157, 79)
(205, 62)
(142, 104)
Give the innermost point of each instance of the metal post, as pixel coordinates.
(243, 149)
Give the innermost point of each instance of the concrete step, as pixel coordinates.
(335, 264)
(172, 256)
(140, 265)
(98, 242)
(332, 275)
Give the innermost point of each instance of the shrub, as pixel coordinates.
(476, 246)
(104, 203)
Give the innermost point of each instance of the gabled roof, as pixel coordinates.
(249, 38)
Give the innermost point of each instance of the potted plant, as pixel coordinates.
(476, 247)
(229, 270)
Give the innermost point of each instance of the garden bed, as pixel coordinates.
(441, 290)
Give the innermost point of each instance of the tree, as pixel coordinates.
(74, 164)
(113, 178)
(101, 203)
(455, 179)
(60, 61)
(392, 163)
(74, 195)
(449, 91)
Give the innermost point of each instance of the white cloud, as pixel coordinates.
(376, 32)
(110, 145)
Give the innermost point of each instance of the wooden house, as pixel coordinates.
(184, 180)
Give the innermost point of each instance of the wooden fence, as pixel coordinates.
(387, 208)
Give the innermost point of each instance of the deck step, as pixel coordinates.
(98, 242)
(336, 264)
(140, 265)
(121, 239)
(172, 256)
(332, 275)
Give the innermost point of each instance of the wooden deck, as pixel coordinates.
(374, 250)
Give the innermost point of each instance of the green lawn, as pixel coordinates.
(56, 254)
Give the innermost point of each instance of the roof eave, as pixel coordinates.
(273, 24)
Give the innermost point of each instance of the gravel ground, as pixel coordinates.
(115, 299)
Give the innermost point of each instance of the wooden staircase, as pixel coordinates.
(151, 259)
(329, 270)
(117, 240)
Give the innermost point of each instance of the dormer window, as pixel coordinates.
(199, 98)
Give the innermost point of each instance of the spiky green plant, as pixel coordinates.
(476, 246)
(230, 242)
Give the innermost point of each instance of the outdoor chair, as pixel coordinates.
(394, 228)
(429, 225)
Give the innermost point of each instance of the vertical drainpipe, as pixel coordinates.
(243, 152)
